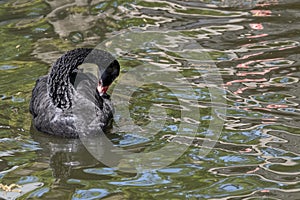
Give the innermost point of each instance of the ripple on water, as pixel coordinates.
(144, 179)
(101, 171)
(7, 67)
(39, 193)
(28, 179)
(93, 193)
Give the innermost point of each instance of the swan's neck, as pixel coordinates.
(60, 88)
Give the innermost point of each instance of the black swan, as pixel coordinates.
(67, 101)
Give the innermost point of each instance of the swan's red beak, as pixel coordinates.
(102, 89)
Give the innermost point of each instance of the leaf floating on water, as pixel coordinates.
(14, 191)
(10, 188)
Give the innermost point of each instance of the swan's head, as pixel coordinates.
(108, 75)
(64, 72)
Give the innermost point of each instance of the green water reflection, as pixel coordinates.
(254, 44)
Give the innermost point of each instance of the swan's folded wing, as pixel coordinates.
(39, 95)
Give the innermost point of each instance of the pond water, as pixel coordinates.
(218, 80)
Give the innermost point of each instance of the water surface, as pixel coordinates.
(254, 46)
